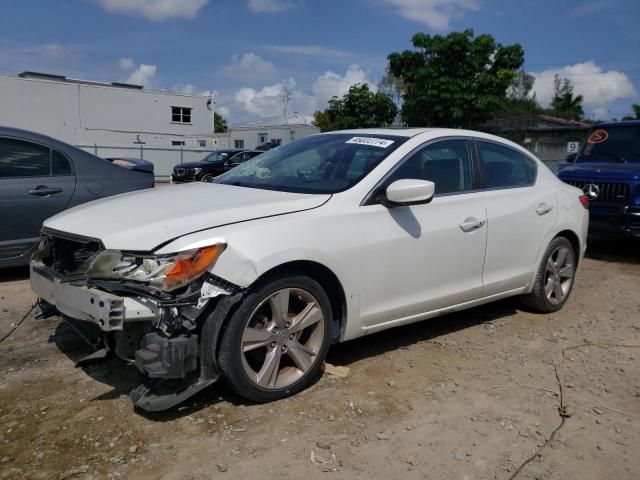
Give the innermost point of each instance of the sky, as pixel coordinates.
(248, 51)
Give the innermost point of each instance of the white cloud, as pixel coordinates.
(270, 6)
(307, 50)
(599, 88)
(248, 66)
(435, 14)
(330, 83)
(48, 57)
(222, 110)
(156, 10)
(126, 64)
(266, 103)
(143, 75)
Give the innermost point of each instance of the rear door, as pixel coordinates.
(521, 211)
(36, 182)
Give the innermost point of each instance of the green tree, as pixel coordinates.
(358, 108)
(564, 103)
(636, 111)
(520, 101)
(219, 123)
(458, 80)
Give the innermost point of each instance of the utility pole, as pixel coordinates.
(285, 99)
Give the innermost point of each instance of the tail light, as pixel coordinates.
(584, 200)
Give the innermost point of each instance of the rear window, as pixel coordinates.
(621, 143)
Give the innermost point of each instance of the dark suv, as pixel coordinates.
(607, 169)
(214, 164)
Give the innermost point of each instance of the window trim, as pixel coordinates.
(51, 149)
(371, 198)
(484, 188)
(190, 109)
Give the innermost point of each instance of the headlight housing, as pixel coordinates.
(164, 272)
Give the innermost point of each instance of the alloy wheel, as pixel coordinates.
(282, 338)
(559, 274)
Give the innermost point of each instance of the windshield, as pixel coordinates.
(615, 143)
(217, 157)
(317, 164)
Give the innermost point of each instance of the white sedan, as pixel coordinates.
(319, 241)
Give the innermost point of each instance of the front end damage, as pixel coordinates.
(170, 337)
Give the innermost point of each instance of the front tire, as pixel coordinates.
(554, 278)
(275, 342)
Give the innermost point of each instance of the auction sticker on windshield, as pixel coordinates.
(374, 142)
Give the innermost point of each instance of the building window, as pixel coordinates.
(277, 141)
(238, 143)
(177, 143)
(262, 138)
(202, 143)
(181, 114)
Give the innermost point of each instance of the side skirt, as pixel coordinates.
(442, 311)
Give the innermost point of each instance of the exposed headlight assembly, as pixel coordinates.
(164, 272)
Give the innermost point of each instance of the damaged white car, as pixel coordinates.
(319, 241)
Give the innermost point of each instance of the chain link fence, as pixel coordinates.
(163, 159)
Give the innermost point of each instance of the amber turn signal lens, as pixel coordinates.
(190, 267)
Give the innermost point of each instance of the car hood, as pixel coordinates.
(143, 220)
(602, 170)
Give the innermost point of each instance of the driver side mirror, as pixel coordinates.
(408, 192)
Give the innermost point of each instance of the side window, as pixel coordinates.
(446, 163)
(23, 159)
(504, 167)
(60, 164)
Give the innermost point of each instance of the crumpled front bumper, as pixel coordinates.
(82, 302)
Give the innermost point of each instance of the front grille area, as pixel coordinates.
(67, 255)
(616, 193)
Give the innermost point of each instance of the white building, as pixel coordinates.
(120, 119)
(83, 112)
(252, 136)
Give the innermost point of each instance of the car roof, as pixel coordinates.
(623, 123)
(398, 132)
(31, 135)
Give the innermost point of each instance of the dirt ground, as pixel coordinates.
(465, 396)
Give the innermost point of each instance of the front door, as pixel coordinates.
(422, 258)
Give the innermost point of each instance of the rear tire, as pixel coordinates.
(277, 339)
(554, 279)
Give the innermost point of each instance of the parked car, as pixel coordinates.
(607, 170)
(323, 240)
(211, 166)
(268, 146)
(41, 176)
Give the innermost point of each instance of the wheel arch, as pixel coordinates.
(573, 238)
(327, 279)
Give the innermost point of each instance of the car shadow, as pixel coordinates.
(407, 335)
(13, 274)
(619, 250)
(124, 378)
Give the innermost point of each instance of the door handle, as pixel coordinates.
(471, 223)
(544, 208)
(43, 191)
